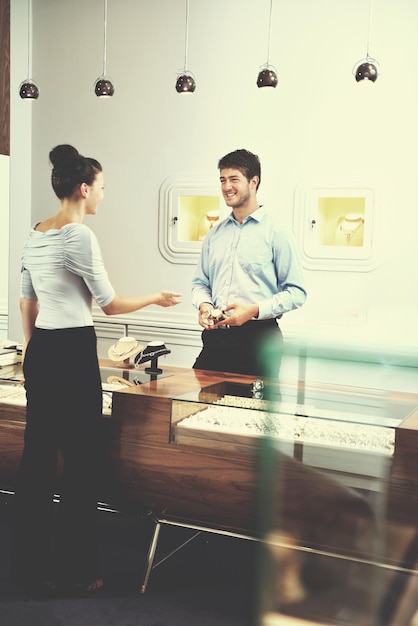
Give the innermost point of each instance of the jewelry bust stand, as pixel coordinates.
(151, 353)
(123, 350)
(127, 348)
(350, 230)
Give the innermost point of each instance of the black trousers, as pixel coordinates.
(255, 348)
(64, 406)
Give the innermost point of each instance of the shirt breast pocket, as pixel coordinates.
(255, 261)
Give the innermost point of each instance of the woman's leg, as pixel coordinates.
(32, 530)
(77, 530)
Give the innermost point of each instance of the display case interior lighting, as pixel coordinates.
(28, 89)
(338, 226)
(367, 69)
(185, 82)
(267, 76)
(103, 87)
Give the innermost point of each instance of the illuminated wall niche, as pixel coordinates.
(336, 227)
(188, 209)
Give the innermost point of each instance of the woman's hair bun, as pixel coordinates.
(70, 169)
(64, 156)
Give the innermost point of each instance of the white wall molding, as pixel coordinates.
(160, 318)
(183, 342)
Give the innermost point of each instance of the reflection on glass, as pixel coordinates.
(322, 542)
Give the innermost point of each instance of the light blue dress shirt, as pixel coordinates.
(253, 262)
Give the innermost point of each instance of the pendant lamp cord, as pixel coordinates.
(186, 38)
(370, 28)
(29, 36)
(105, 38)
(269, 37)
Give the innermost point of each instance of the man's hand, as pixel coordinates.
(205, 312)
(240, 313)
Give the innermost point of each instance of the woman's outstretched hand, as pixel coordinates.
(167, 298)
(127, 304)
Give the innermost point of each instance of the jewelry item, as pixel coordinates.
(217, 316)
(124, 348)
(153, 350)
(118, 380)
(349, 225)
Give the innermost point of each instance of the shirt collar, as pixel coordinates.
(256, 215)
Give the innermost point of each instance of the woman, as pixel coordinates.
(62, 272)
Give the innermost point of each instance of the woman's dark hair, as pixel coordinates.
(71, 169)
(244, 161)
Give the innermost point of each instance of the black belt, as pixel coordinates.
(268, 322)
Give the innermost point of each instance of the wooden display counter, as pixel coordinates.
(214, 485)
(144, 469)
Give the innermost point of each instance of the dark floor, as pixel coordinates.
(208, 582)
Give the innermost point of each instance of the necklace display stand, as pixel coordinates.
(123, 350)
(127, 348)
(151, 353)
(350, 230)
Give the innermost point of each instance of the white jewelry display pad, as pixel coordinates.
(15, 395)
(247, 416)
(342, 431)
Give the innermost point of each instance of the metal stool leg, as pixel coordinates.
(151, 555)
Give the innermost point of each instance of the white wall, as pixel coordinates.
(319, 125)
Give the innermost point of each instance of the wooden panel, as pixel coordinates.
(12, 427)
(403, 492)
(183, 483)
(5, 77)
(141, 417)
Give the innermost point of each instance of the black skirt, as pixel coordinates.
(62, 455)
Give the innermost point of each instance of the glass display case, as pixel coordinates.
(11, 388)
(189, 206)
(329, 553)
(339, 429)
(336, 226)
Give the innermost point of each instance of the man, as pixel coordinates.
(249, 269)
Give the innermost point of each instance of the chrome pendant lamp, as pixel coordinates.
(367, 69)
(185, 82)
(28, 89)
(103, 87)
(267, 76)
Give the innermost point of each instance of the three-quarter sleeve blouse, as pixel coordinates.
(64, 269)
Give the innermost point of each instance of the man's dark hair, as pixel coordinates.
(244, 161)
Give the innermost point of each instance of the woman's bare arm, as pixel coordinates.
(129, 304)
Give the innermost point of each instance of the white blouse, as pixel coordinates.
(64, 269)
